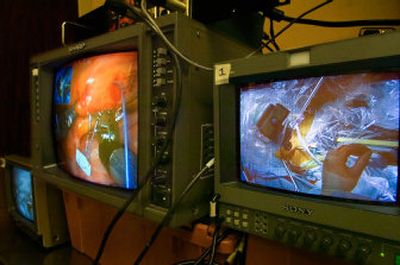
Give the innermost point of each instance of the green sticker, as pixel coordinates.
(397, 260)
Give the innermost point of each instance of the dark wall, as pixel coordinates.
(26, 28)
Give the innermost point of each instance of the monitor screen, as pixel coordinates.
(335, 136)
(96, 118)
(22, 190)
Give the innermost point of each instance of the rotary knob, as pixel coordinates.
(160, 101)
(293, 236)
(326, 243)
(280, 231)
(343, 247)
(161, 120)
(362, 252)
(309, 238)
(164, 159)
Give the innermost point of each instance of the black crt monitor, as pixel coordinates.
(102, 108)
(307, 147)
(36, 207)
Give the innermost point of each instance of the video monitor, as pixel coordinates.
(22, 191)
(103, 108)
(35, 207)
(96, 118)
(309, 140)
(333, 135)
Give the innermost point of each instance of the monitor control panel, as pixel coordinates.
(162, 111)
(362, 249)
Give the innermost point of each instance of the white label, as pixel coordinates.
(299, 58)
(35, 72)
(221, 73)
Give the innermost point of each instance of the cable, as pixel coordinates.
(213, 247)
(155, 163)
(172, 210)
(272, 34)
(157, 29)
(265, 45)
(237, 255)
(299, 17)
(215, 220)
(146, 17)
(206, 252)
(343, 24)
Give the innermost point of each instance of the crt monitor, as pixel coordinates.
(102, 109)
(309, 139)
(21, 184)
(36, 207)
(85, 119)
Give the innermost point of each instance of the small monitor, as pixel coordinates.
(22, 189)
(36, 207)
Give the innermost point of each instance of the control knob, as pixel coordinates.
(343, 247)
(362, 252)
(326, 243)
(160, 101)
(309, 238)
(280, 231)
(161, 120)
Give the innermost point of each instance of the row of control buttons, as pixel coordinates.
(161, 182)
(295, 233)
(237, 222)
(35, 80)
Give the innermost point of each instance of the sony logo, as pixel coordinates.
(77, 47)
(299, 210)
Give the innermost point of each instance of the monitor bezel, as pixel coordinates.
(24, 163)
(43, 67)
(377, 52)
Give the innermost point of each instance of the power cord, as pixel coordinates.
(300, 17)
(206, 253)
(156, 28)
(237, 256)
(155, 163)
(272, 34)
(171, 211)
(143, 14)
(217, 224)
(289, 25)
(342, 24)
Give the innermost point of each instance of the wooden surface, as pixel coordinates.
(88, 219)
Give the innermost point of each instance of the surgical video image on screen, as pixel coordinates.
(96, 119)
(335, 136)
(23, 193)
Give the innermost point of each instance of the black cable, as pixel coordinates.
(171, 212)
(214, 217)
(264, 41)
(213, 246)
(155, 163)
(206, 252)
(299, 17)
(272, 34)
(342, 24)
